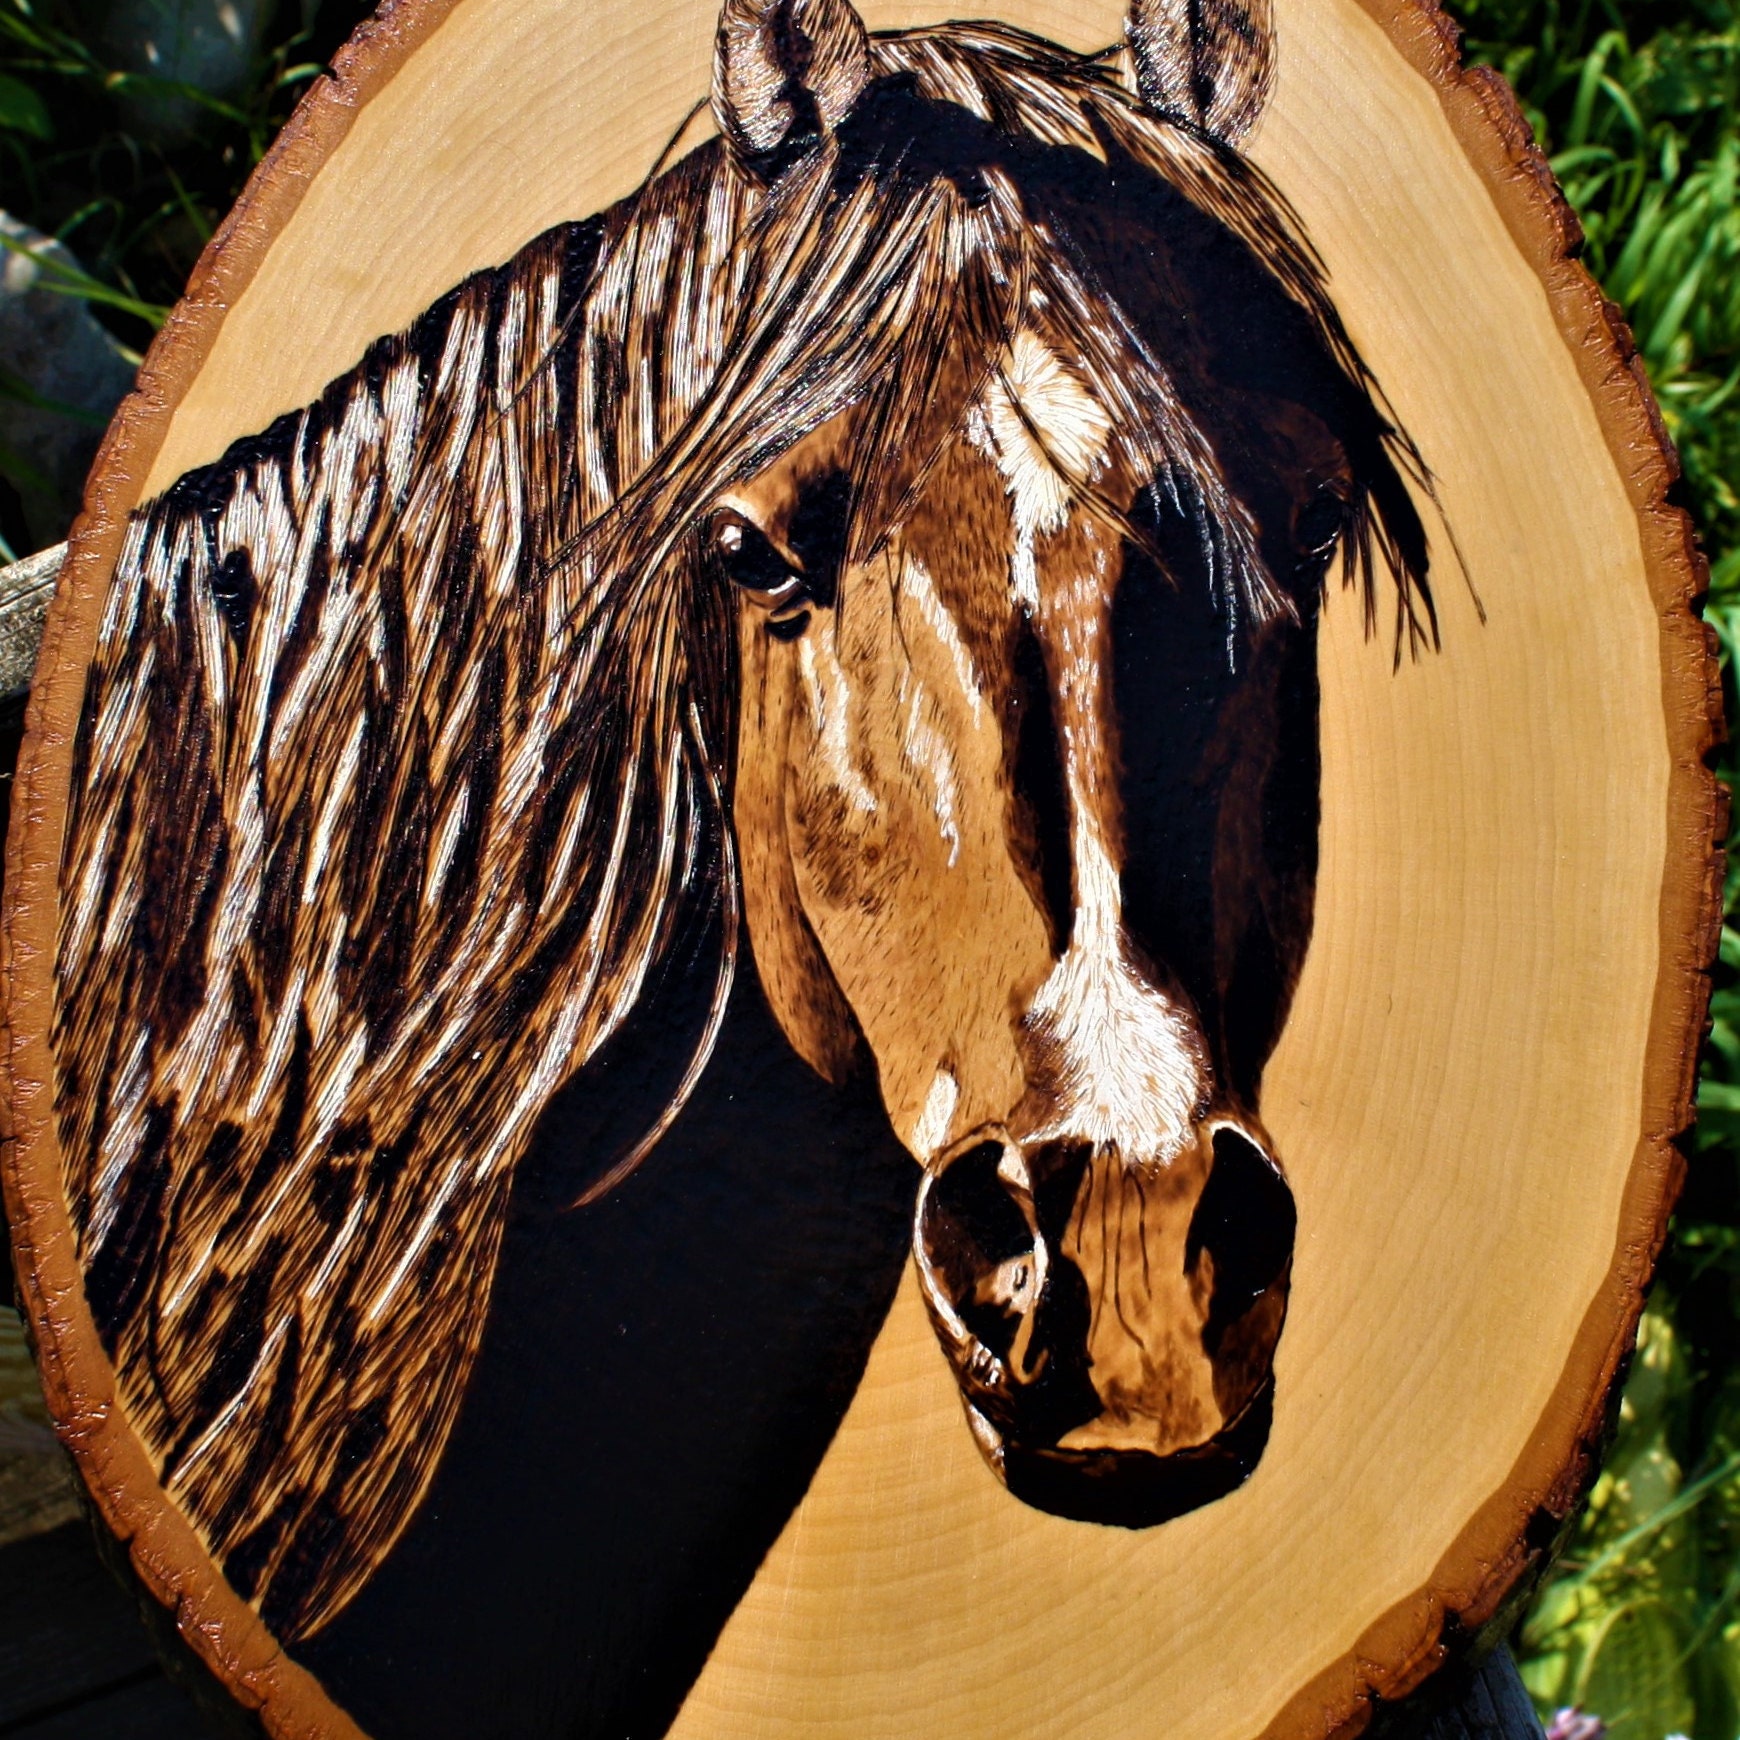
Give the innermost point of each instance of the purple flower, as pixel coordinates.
(1571, 1723)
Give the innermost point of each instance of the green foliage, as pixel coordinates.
(1636, 105)
(22, 110)
(1636, 102)
(1638, 1622)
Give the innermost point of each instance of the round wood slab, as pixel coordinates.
(1492, 1045)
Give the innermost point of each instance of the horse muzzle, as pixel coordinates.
(1112, 1323)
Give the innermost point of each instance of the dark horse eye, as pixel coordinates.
(1320, 522)
(742, 553)
(745, 557)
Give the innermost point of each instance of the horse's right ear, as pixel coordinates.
(784, 71)
(1207, 62)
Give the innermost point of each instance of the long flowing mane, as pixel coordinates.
(403, 767)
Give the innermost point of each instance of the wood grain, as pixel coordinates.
(1493, 1042)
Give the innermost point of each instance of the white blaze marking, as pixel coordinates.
(1047, 433)
(1132, 1069)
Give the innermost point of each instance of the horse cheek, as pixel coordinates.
(800, 989)
(902, 858)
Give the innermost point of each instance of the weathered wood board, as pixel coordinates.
(1351, 960)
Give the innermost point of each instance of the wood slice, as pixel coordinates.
(673, 1469)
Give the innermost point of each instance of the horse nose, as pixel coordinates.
(1111, 1324)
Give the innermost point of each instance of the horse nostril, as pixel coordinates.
(1011, 1313)
(977, 1245)
(1244, 1225)
(1244, 1219)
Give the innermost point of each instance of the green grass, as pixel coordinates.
(1636, 104)
(78, 160)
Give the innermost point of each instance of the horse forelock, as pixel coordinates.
(729, 320)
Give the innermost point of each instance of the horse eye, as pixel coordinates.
(745, 557)
(1320, 522)
(742, 553)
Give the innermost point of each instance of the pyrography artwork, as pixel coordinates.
(773, 735)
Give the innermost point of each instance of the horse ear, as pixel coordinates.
(784, 70)
(1208, 62)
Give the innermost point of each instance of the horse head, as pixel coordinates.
(898, 533)
(1025, 780)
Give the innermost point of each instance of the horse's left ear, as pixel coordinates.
(1208, 62)
(785, 70)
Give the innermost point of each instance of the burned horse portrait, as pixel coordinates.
(772, 736)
